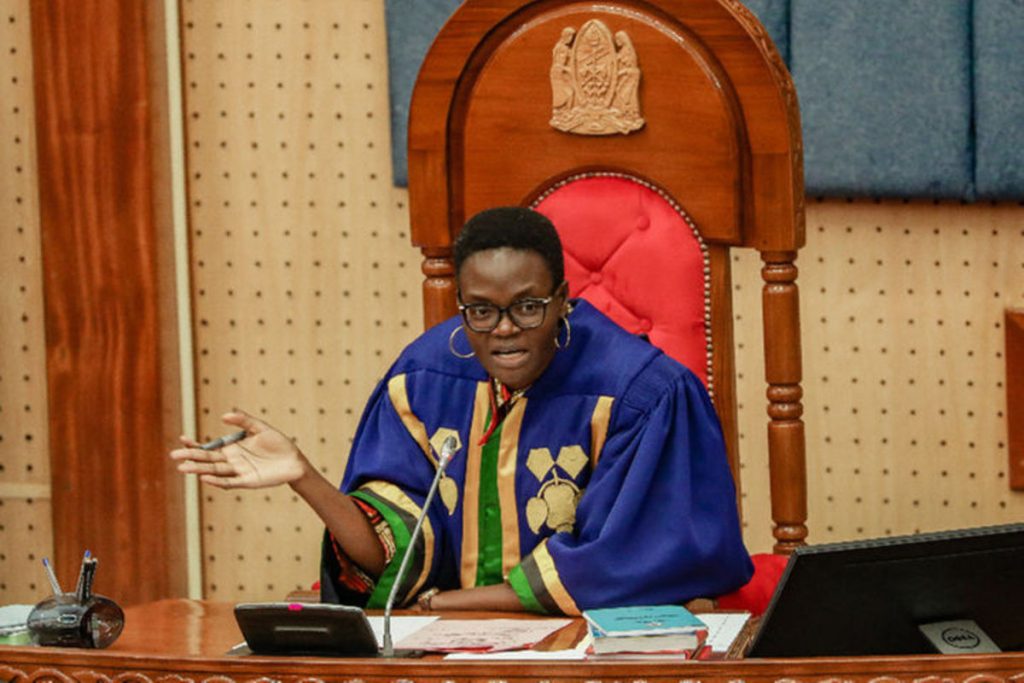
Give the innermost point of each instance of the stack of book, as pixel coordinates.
(652, 630)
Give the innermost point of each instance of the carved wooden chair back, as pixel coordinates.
(658, 136)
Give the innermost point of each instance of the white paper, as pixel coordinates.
(492, 635)
(723, 627)
(578, 653)
(401, 627)
(13, 618)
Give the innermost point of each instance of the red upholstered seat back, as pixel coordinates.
(635, 255)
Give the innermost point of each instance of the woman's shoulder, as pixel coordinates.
(431, 352)
(607, 359)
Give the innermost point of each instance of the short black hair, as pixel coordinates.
(513, 227)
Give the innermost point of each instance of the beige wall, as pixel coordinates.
(305, 286)
(25, 523)
(305, 282)
(902, 308)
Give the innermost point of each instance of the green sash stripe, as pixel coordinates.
(401, 524)
(526, 581)
(521, 585)
(488, 568)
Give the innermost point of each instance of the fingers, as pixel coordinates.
(212, 467)
(221, 482)
(219, 468)
(204, 463)
(188, 441)
(197, 455)
(213, 481)
(218, 474)
(244, 420)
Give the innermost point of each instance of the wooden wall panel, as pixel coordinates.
(902, 307)
(25, 523)
(305, 283)
(103, 222)
(1015, 396)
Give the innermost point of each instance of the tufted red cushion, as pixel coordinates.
(633, 255)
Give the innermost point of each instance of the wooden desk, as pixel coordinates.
(183, 640)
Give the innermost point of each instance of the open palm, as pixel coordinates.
(264, 458)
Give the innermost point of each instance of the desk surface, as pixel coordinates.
(186, 640)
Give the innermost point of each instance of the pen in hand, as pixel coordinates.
(222, 441)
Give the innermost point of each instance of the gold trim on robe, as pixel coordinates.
(397, 497)
(552, 582)
(400, 400)
(599, 428)
(508, 452)
(471, 488)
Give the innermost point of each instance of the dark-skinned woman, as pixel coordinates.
(590, 468)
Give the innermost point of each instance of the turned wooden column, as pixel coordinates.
(438, 286)
(783, 373)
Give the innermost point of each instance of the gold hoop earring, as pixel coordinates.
(451, 345)
(568, 334)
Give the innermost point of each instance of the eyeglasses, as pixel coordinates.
(525, 314)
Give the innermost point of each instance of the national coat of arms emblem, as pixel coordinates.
(595, 82)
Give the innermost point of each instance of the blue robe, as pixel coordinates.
(606, 483)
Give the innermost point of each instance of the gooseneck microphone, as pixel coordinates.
(447, 450)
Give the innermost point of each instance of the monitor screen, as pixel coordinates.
(871, 597)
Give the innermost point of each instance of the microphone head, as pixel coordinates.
(448, 448)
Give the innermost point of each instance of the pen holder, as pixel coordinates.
(61, 620)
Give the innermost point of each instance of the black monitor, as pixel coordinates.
(871, 597)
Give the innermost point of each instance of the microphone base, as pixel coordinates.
(402, 654)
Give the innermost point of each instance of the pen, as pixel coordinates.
(222, 441)
(81, 575)
(54, 584)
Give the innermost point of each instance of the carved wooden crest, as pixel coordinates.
(595, 82)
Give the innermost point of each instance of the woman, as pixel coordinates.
(590, 468)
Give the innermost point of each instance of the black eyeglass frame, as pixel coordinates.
(507, 311)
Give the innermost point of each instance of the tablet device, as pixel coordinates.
(293, 628)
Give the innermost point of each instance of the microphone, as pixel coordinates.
(447, 450)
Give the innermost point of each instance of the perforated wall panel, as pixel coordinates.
(305, 285)
(904, 378)
(26, 530)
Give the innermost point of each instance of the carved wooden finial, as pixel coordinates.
(595, 82)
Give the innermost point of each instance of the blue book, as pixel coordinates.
(647, 620)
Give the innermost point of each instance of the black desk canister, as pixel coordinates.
(79, 619)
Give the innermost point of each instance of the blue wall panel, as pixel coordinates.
(899, 98)
(999, 98)
(412, 25)
(885, 95)
(774, 14)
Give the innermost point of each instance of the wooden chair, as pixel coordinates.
(658, 136)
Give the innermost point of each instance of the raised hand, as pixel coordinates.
(264, 458)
